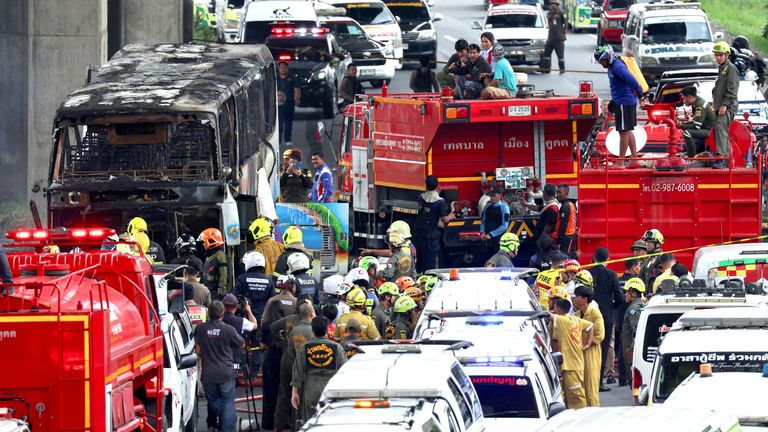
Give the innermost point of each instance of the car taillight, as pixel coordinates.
(283, 31)
(637, 381)
(24, 235)
(285, 57)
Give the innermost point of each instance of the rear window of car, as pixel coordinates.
(656, 327)
(506, 396)
(369, 13)
(258, 31)
(409, 11)
(302, 49)
(514, 20)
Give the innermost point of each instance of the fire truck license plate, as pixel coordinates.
(519, 110)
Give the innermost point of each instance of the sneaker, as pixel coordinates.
(603, 388)
(610, 380)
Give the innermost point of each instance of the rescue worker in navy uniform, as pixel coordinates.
(316, 363)
(564, 234)
(725, 99)
(185, 251)
(634, 289)
(696, 129)
(558, 29)
(254, 284)
(215, 271)
(494, 221)
(432, 210)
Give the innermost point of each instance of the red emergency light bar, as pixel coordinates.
(285, 57)
(26, 235)
(289, 31)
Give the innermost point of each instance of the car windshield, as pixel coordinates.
(346, 30)
(506, 396)
(676, 30)
(409, 11)
(303, 49)
(514, 20)
(656, 327)
(369, 13)
(675, 367)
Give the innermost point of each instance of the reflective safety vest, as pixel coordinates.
(570, 227)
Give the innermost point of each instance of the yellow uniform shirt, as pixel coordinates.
(368, 330)
(568, 329)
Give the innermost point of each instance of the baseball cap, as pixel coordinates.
(229, 300)
(195, 265)
(353, 325)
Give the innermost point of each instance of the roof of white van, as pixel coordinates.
(480, 290)
(726, 392)
(666, 10)
(655, 419)
(280, 10)
(711, 254)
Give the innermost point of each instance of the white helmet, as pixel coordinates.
(254, 259)
(284, 279)
(343, 288)
(331, 284)
(356, 274)
(297, 262)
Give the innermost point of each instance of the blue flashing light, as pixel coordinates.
(765, 370)
(506, 275)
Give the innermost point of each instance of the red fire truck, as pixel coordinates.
(79, 335)
(389, 144)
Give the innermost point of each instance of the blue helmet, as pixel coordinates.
(604, 52)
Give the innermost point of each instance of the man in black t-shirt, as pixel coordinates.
(216, 343)
(447, 76)
(288, 98)
(433, 210)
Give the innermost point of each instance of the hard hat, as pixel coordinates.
(584, 277)
(571, 266)
(142, 239)
(396, 239)
(368, 261)
(331, 284)
(558, 292)
(284, 280)
(211, 238)
(431, 284)
(400, 227)
(292, 234)
(288, 153)
(388, 288)
(604, 52)
(721, 47)
(297, 262)
(261, 227)
(405, 282)
(404, 304)
(546, 279)
(356, 297)
(254, 259)
(355, 275)
(137, 224)
(639, 244)
(422, 279)
(415, 293)
(509, 242)
(51, 249)
(654, 235)
(343, 288)
(635, 284)
(185, 242)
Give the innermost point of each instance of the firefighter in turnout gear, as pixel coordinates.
(356, 300)
(653, 240)
(215, 271)
(406, 313)
(262, 229)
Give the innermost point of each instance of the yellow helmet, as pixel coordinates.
(584, 277)
(137, 224)
(721, 47)
(509, 242)
(142, 239)
(415, 293)
(635, 284)
(356, 297)
(654, 235)
(292, 234)
(404, 304)
(400, 227)
(287, 154)
(558, 292)
(388, 288)
(261, 227)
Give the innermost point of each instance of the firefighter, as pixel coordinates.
(316, 362)
(402, 262)
(653, 241)
(417, 295)
(564, 234)
(262, 229)
(508, 245)
(215, 270)
(153, 251)
(199, 293)
(388, 294)
(725, 100)
(404, 282)
(545, 281)
(406, 313)
(569, 331)
(254, 284)
(634, 289)
(291, 332)
(558, 29)
(582, 297)
(696, 127)
(568, 275)
(359, 278)
(356, 301)
(371, 265)
(298, 267)
(433, 211)
(293, 241)
(185, 251)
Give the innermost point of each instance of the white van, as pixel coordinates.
(260, 17)
(520, 29)
(378, 21)
(747, 262)
(668, 36)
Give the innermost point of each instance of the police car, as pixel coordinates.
(520, 29)
(376, 390)
(664, 308)
(668, 36)
(729, 339)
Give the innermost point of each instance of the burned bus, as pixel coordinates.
(160, 131)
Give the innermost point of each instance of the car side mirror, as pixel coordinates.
(719, 35)
(642, 397)
(556, 408)
(558, 358)
(188, 361)
(476, 26)
(438, 16)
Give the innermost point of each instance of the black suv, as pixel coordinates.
(369, 55)
(316, 61)
(418, 26)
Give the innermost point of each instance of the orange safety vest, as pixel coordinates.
(570, 228)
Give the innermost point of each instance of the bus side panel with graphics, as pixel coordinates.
(204, 117)
(390, 144)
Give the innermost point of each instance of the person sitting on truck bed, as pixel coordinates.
(423, 80)
(504, 84)
(696, 128)
(487, 40)
(494, 220)
(446, 77)
(471, 84)
(350, 85)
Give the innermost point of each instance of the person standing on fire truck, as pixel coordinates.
(725, 99)
(215, 269)
(548, 216)
(432, 210)
(494, 221)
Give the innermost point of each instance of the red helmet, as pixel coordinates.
(571, 266)
(211, 238)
